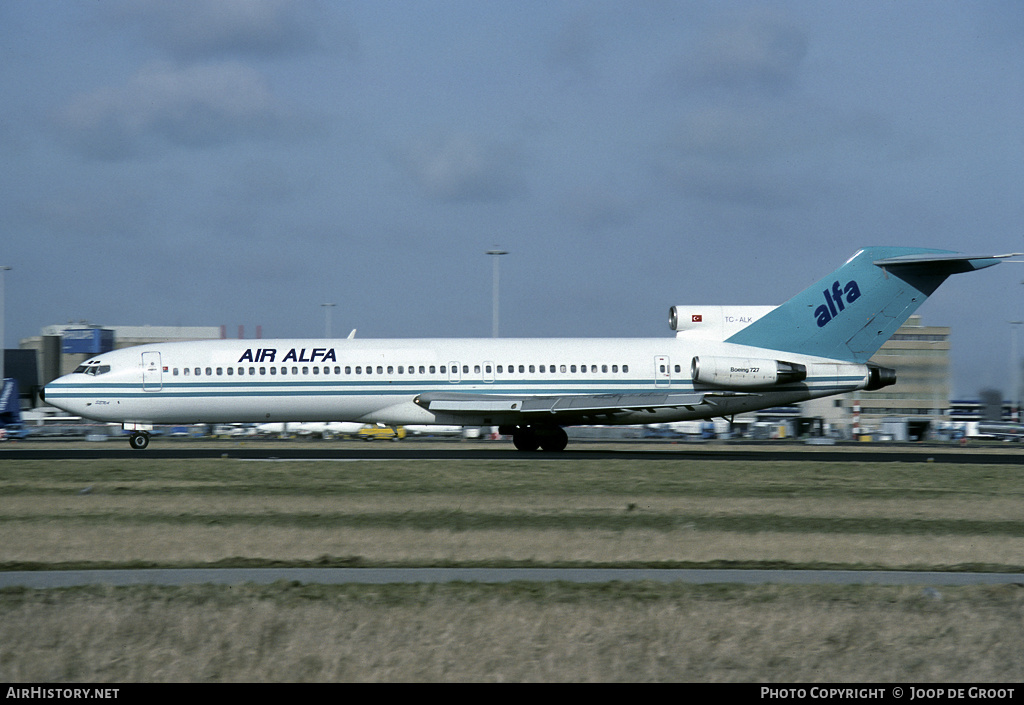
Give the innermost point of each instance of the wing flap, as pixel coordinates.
(564, 405)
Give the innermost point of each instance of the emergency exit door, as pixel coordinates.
(152, 372)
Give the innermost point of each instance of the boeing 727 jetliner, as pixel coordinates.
(724, 360)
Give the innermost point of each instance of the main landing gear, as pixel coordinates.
(138, 440)
(528, 438)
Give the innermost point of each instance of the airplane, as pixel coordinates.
(723, 360)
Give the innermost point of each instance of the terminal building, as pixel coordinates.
(919, 402)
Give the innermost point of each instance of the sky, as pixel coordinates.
(232, 162)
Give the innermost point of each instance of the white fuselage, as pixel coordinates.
(378, 381)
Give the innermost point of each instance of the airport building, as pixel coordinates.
(920, 397)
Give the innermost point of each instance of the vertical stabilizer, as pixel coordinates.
(10, 403)
(851, 312)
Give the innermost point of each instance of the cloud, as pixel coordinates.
(463, 168)
(196, 106)
(192, 30)
(757, 52)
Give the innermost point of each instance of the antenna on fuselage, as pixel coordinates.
(352, 334)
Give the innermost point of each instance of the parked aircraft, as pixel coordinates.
(724, 360)
(309, 428)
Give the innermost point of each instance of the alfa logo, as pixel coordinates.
(834, 301)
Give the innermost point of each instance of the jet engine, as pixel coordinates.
(879, 377)
(745, 372)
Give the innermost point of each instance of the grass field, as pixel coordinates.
(143, 512)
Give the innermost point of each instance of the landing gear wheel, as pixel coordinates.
(138, 441)
(525, 439)
(554, 440)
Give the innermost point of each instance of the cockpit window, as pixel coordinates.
(92, 369)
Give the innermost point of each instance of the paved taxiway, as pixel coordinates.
(183, 450)
(378, 576)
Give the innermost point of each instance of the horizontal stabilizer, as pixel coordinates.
(953, 263)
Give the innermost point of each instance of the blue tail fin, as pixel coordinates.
(10, 402)
(851, 312)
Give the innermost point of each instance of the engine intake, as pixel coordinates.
(745, 372)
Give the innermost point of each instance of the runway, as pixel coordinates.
(380, 576)
(426, 450)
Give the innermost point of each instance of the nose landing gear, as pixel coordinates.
(138, 440)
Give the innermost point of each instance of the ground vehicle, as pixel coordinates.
(373, 432)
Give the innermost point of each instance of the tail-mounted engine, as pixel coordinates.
(713, 322)
(745, 372)
(879, 377)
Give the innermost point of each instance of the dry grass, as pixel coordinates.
(928, 516)
(73, 542)
(513, 633)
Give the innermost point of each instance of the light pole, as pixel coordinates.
(496, 253)
(1014, 373)
(327, 319)
(3, 278)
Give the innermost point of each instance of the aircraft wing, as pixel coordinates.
(555, 407)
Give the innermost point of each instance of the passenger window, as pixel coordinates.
(542, 368)
(443, 368)
(572, 368)
(231, 371)
(263, 370)
(604, 368)
(209, 371)
(273, 370)
(561, 368)
(625, 368)
(476, 369)
(391, 369)
(198, 372)
(252, 370)
(615, 368)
